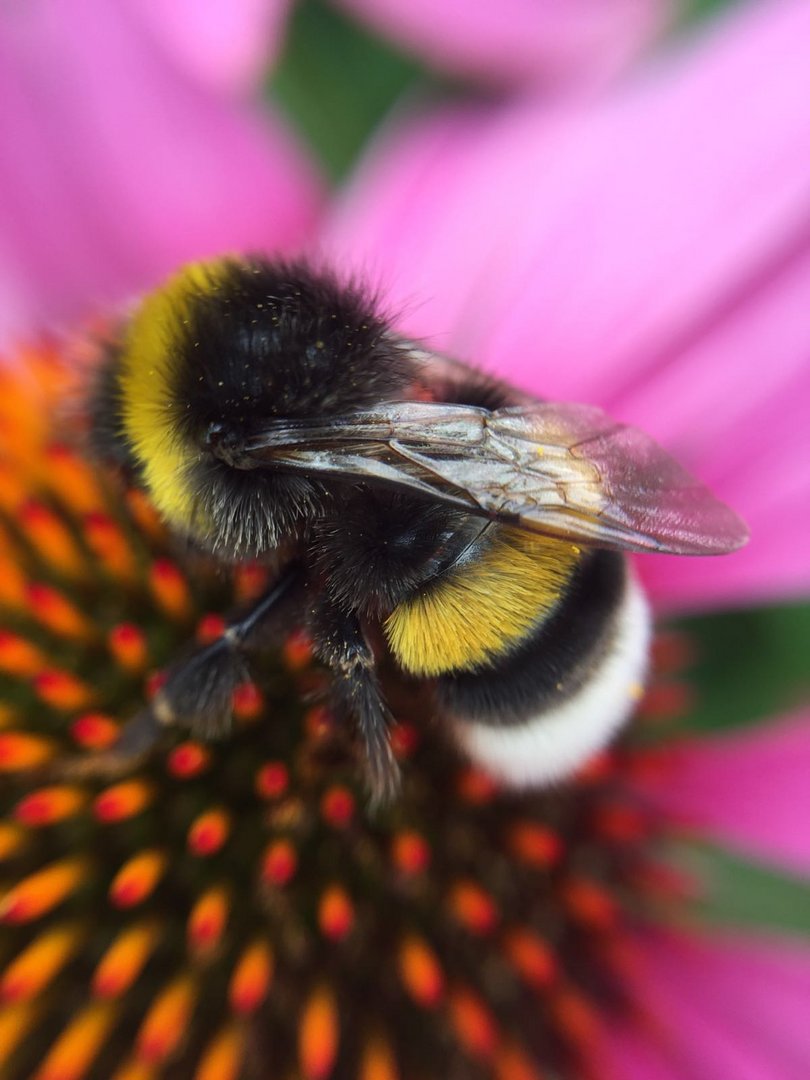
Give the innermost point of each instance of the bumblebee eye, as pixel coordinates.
(224, 443)
(213, 435)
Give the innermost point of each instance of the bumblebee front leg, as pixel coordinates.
(198, 690)
(355, 694)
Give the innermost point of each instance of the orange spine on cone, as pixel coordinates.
(420, 972)
(56, 613)
(42, 891)
(187, 760)
(473, 1024)
(77, 1047)
(511, 1063)
(170, 590)
(135, 1070)
(110, 547)
(338, 806)
(18, 657)
(123, 800)
(15, 1023)
(124, 960)
(50, 539)
(20, 751)
(49, 805)
(473, 907)
(318, 1035)
(62, 690)
(137, 878)
(590, 903)
(127, 645)
(222, 1059)
(38, 964)
(531, 957)
(533, 844)
(279, 863)
(166, 1021)
(94, 731)
(378, 1062)
(209, 832)
(207, 921)
(410, 852)
(12, 840)
(335, 913)
(252, 977)
(70, 477)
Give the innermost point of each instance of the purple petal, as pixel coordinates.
(228, 43)
(731, 1006)
(648, 251)
(520, 40)
(118, 166)
(758, 465)
(748, 790)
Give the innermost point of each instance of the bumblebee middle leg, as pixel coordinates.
(355, 694)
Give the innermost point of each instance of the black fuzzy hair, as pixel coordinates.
(104, 407)
(279, 339)
(382, 545)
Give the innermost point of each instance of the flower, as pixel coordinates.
(133, 143)
(523, 41)
(235, 910)
(226, 910)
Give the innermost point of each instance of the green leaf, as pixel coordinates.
(743, 893)
(750, 664)
(336, 82)
(693, 11)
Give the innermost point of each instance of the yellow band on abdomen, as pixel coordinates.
(479, 611)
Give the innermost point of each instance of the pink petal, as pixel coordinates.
(748, 790)
(118, 167)
(649, 251)
(519, 40)
(727, 1007)
(228, 43)
(757, 462)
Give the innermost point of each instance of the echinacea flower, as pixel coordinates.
(134, 140)
(234, 910)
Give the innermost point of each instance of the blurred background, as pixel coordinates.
(604, 201)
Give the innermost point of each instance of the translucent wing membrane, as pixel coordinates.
(562, 469)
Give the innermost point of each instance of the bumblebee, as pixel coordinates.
(412, 508)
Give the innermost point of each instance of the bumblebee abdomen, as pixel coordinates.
(481, 609)
(537, 713)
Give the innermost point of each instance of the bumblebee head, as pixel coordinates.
(210, 357)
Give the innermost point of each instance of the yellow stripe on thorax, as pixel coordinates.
(150, 409)
(474, 613)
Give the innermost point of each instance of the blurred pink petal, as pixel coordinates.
(649, 251)
(118, 166)
(748, 790)
(228, 43)
(731, 1006)
(519, 41)
(759, 465)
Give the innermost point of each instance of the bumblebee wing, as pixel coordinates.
(575, 472)
(562, 469)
